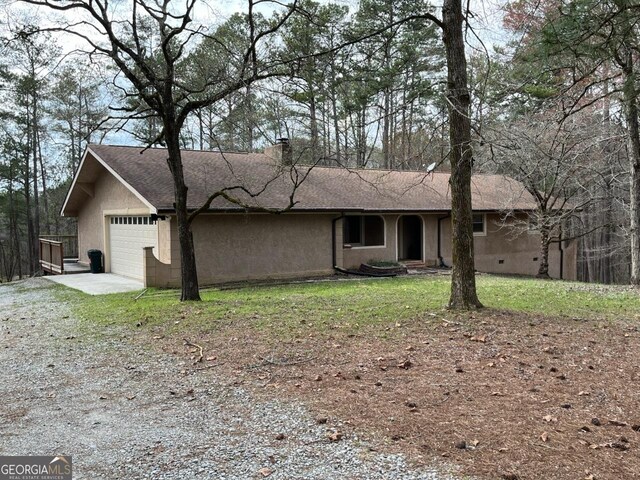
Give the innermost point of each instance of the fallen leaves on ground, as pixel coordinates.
(544, 398)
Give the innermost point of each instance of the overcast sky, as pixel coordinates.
(486, 20)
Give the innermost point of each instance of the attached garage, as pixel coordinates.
(128, 235)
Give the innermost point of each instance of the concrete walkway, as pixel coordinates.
(98, 284)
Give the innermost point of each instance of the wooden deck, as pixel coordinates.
(59, 255)
(71, 266)
(51, 256)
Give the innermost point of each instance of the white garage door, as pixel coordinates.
(127, 237)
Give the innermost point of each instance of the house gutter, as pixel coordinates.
(171, 210)
(440, 259)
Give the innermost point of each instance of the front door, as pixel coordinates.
(410, 237)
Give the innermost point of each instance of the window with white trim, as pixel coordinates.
(363, 230)
(479, 224)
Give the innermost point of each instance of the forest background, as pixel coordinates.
(553, 105)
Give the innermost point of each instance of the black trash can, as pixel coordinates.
(95, 261)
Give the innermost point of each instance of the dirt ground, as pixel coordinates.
(505, 396)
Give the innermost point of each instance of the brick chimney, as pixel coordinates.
(280, 151)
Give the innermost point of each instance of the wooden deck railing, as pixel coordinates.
(69, 242)
(51, 256)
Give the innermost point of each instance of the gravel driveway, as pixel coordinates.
(124, 412)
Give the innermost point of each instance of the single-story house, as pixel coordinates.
(123, 199)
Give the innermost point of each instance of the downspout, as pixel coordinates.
(333, 242)
(561, 255)
(440, 259)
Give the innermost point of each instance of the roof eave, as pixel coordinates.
(128, 186)
(73, 184)
(171, 211)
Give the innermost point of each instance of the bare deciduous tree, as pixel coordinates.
(559, 165)
(146, 41)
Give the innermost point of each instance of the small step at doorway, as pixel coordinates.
(413, 264)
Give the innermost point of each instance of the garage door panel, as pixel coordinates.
(127, 237)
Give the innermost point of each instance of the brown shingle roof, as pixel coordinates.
(326, 188)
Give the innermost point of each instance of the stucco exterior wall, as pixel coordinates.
(509, 251)
(244, 247)
(257, 246)
(110, 197)
(165, 240)
(570, 260)
(354, 256)
(431, 239)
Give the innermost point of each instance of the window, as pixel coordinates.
(363, 231)
(479, 227)
(132, 221)
(352, 228)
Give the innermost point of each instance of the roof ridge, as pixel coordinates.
(332, 167)
(165, 148)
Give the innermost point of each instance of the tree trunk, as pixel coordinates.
(190, 288)
(313, 116)
(605, 248)
(392, 132)
(15, 249)
(346, 145)
(386, 157)
(210, 129)
(27, 181)
(543, 268)
(404, 157)
(463, 280)
(326, 135)
(630, 95)
(362, 140)
(35, 254)
(250, 117)
(334, 112)
(45, 194)
(200, 124)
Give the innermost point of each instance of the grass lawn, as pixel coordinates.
(517, 385)
(352, 305)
